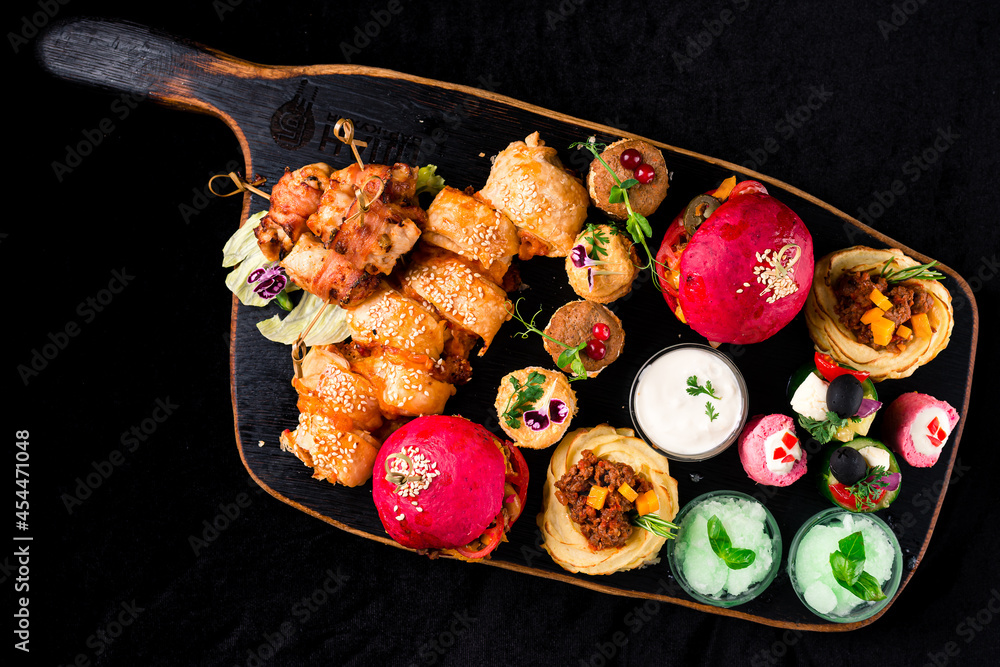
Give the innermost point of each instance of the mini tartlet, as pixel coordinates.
(602, 265)
(573, 324)
(541, 422)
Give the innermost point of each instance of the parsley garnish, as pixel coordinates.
(710, 411)
(866, 491)
(848, 564)
(596, 237)
(570, 356)
(921, 272)
(695, 389)
(524, 397)
(824, 430)
(735, 559)
(636, 224)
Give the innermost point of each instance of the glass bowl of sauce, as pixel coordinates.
(689, 401)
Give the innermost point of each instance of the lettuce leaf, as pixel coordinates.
(243, 254)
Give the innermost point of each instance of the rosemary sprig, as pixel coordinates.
(570, 356)
(524, 397)
(636, 224)
(921, 272)
(654, 524)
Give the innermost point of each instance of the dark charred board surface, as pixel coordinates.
(284, 117)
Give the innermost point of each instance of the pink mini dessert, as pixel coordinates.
(770, 450)
(917, 426)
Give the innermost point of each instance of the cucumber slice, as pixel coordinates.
(829, 485)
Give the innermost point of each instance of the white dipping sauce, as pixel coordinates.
(676, 421)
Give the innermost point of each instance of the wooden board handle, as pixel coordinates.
(127, 57)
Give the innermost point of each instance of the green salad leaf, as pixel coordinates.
(428, 180)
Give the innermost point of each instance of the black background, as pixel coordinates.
(899, 74)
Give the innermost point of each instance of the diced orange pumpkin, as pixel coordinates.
(628, 492)
(722, 192)
(921, 325)
(647, 502)
(680, 314)
(879, 300)
(872, 315)
(903, 332)
(597, 496)
(882, 331)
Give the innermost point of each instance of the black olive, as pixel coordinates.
(848, 466)
(844, 395)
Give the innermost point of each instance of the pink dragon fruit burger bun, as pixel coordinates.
(736, 265)
(447, 486)
(917, 427)
(770, 450)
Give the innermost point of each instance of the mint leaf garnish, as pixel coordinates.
(718, 538)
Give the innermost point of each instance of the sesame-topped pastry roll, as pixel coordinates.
(345, 457)
(394, 319)
(469, 226)
(464, 296)
(404, 382)
(328, 387)
(547, 204)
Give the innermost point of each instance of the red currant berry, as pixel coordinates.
(644, 173)
(601, 331)
(630, 158)
(595, 349)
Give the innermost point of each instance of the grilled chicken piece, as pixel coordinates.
(327, 274)
(294, 198)
(374, 239)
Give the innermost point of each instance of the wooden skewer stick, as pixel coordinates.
(241, 185)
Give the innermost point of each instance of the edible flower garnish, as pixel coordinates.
(570, 356)
(718, 538)
(636, 224)
(271, 280)
(848, 564)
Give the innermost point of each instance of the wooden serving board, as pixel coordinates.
(284, 117)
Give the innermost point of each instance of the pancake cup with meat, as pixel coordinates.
(601, 484)
(878, 311)
(447, 486)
